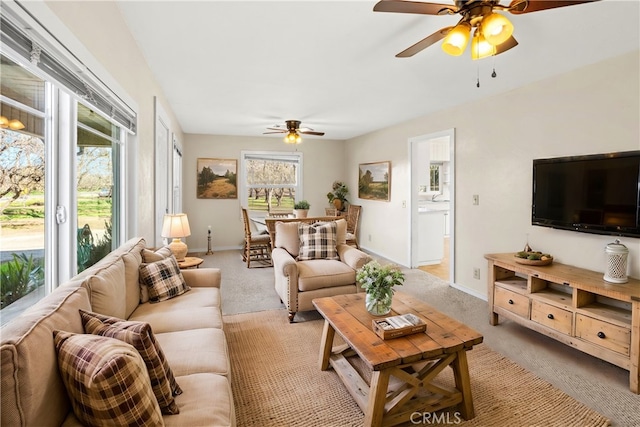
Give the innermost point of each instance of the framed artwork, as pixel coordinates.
(374, 181)
(217, 179)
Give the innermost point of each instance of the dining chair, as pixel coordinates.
(353, 218)
(257, 247)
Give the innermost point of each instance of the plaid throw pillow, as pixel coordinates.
(163, 279)
(317, 241)
(140, 336)
(106, 380)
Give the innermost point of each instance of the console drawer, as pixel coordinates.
(514, 302)
(551, 316)
(604, 334)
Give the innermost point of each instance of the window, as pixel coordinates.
(22, 188)
(97, 195)
(434, 178)
(48, 206)
(271, 181)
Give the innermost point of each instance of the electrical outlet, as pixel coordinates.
(476, 273)
(476, 199)
(404, 203)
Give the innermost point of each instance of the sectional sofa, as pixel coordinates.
(188, 328)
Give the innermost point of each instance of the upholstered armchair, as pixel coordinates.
(310, 261)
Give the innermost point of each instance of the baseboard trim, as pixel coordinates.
(469, 291)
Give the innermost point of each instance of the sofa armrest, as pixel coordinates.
(352, 256)
(284, 264)
(285, 271)
(202, 277)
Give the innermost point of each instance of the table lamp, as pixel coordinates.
(176, 226)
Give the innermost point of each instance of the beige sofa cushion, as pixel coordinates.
(33, 393)
(107, 381)
(132, 263)
(107, 290)
(196, 351)
(321, 273)
(140, 336)
(207, 401)
(174, 319)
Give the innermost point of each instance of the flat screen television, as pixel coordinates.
(593, 194)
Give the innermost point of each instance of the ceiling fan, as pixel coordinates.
(492, 35)
(293, 131)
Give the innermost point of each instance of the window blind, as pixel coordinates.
(82, 83)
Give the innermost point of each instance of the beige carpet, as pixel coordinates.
(276, 382)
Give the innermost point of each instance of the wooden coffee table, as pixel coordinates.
(414, 360)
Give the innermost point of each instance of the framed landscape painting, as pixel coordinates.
(217, 179)
(374, 180)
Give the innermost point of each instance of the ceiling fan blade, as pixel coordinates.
(518, 7)
(401, 6)
(424, 43)
(310, 132)
(505, 46)
(277, 131)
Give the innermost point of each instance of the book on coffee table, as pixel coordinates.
(398, 326)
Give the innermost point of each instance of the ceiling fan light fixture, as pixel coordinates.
(455, 42)
(496, 28)
(292, 138)
(480, 47)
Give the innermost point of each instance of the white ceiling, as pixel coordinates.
(236, 67)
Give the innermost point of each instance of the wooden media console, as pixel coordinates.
(572, 305)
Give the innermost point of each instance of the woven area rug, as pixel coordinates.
(276, 382)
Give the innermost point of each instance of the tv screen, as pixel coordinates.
(593, 194)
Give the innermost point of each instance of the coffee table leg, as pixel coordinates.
(326, 344)
(377, 398)
(463, 383)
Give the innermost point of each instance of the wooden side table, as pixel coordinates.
(190, 262)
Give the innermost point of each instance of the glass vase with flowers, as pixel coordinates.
(378, 282)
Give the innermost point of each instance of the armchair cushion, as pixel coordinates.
(317, 241)
(319, 274)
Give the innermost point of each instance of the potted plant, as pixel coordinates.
(378, 282)
(338, 196)
(301, 209)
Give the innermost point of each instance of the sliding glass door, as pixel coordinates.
(23, 196)
(60, 186)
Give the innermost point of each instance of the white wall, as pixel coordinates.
(323, 163)
(591, 110)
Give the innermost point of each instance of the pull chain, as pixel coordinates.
(494, 74)
(478, 76)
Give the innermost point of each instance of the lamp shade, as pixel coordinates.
(496, 28)
(480, 48)
(176, 226)
(455, 42)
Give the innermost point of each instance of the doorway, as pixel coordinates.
(432, 203)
